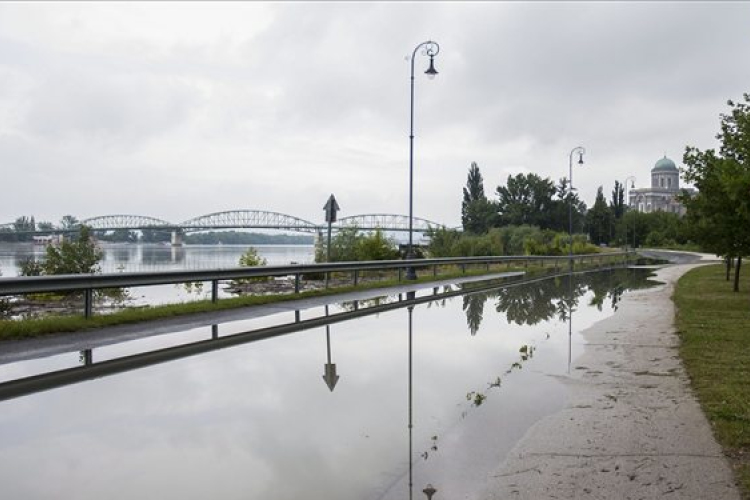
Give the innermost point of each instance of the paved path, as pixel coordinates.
(632, 428)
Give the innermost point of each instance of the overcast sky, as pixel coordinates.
(177, 110)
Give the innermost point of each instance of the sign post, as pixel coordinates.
(331, 208)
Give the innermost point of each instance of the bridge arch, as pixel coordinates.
(240, 219)
(387, 222)
(124, 221)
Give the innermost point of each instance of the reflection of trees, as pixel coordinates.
(474, 307)
(543, 300)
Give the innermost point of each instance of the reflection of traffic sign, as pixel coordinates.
(331, 207)
(330, 376)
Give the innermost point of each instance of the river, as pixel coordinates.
(121, 257)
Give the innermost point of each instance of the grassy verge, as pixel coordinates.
(59, 324)
(714, 325)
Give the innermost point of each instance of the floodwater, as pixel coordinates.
(372, 407)
(124, 257)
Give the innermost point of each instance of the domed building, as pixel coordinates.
(662, 195)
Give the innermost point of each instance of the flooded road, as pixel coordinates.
(376, 406)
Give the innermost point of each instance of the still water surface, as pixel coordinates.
(122, 257)
(258, 421)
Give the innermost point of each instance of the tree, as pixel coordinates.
(526, 199)
(599, 219)
(24, 224)
(69, 222)
(477, 212)
(250, 259)
(81, 256)
(720, 212)
(45, 226)
(617, 204)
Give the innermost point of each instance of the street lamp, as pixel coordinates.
(431, 49)
(632, 179)
(581, 151)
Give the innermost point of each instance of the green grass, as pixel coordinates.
(714, 326)
(72, 323)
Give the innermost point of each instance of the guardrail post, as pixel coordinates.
(214, 291)
(214, 332)
(434, 270)
(296, 283)
(355, 277)
(399, 274)
(463, 268)
(88, 303)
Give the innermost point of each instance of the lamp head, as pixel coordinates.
(431, 71)
(580, 157)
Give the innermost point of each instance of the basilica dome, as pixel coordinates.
(665, 165)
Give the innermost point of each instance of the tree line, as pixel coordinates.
(528, 200)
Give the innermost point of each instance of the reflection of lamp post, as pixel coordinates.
(429, 491)
(632, 179)
(430, 49)
(411, 310)
(581, 152)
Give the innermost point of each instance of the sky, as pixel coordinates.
(176, 110)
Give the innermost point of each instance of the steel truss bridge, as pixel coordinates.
(250, 219)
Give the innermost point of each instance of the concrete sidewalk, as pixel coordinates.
(632, 428)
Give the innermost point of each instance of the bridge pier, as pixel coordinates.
(176, 238)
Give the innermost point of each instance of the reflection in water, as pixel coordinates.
(191, 428)
(532, 303)
(329, 369)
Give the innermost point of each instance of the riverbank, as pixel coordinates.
(632, 427)
(714, 323)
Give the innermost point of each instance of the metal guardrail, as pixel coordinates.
(89, 282)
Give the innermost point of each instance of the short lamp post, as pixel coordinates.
(431, 49)
(581, 151)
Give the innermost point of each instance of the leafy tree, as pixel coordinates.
(566, 198)
(617, 203)
(24, 224)
(720, 212)
(599, 219)
(251, 259)
(81, 256)
(525, 199)
(69, 222)
(45, 226)
(478, 214)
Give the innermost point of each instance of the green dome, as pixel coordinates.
(664, 165)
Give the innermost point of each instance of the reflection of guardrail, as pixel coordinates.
(91, 369)
(90, 282)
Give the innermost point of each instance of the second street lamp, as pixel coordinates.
(431, 49)
(581, 151)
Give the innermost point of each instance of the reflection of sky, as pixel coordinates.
(257, 420)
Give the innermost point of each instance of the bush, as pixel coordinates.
(251, 259)
(350, 245)
(508, 240)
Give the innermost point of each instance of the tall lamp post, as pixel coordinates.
(632, 179)
(431, 49)
(581, 151)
